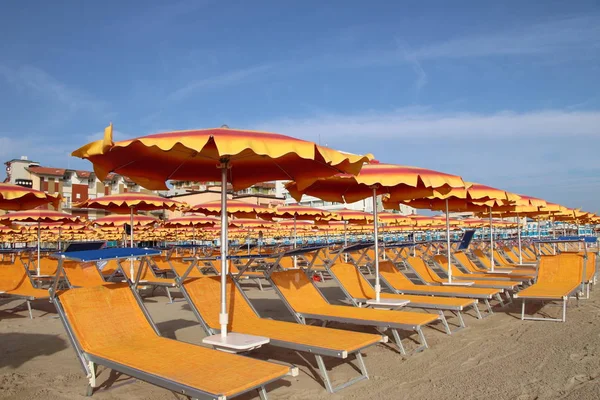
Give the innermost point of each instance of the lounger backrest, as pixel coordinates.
(103, 316)
(216, 264)
(14, 277)
(466, 261)
(110, 267)
(353, 281)
(499, 259)
(82, 274)
(147, 274)
(179, 266)
(48, 266)
(298, 290)
(205, 293)
(482, 257)
(419, 266)
(394, 277)
(561, 269)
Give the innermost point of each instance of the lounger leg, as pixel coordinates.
(325, 376)
(489, 307)
(424, 344)
(262, 393)
(169, 295)
(499, 298)
(91, 378)
(564, 310)
(398, 341)
(29, 309)
(460, 318)
(477, 312)
(522, 309)
(445, 322)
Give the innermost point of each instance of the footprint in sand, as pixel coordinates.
(576, 380)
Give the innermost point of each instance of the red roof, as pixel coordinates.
(83, 174)
(47, 171)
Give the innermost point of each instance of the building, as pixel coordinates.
(73, 185)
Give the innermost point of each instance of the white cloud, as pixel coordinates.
(415, 122)
(226, 79)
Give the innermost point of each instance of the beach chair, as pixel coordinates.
(559, 277)
(203, 295)
(15, 283)
(82, 274)
(107, 327)
(397, 282)
(256, 277)
(305, 301)
(475, 273)
(178, 266)
(442, 262)
(359, 290)
(146, 277)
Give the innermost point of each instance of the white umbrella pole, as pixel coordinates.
(39, 238)
(223, 317)
(59, 239)
(131, 241)
(376, 234)
(553, 235)
(448, 243)
(345, 240)
(295, 240)
(519, 237)
(491, 240)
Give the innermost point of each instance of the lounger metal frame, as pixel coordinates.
(88, 361)
(318, 352)
(380, 326)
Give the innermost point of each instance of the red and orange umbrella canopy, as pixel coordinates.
(301, 213)
(122, 220)
(14, 197)
(398, 181)
(473, 197)
(250, 223)
(299, 224)
(40, 216)
(235, 208)
(191, 220)
(125, 202)
(193, 155)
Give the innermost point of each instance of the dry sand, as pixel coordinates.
(497, 357)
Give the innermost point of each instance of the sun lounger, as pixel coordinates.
(396, 281)
(485, 261)
(305, 301)
(178, 266)
(233, 270)
(474, 273)
(442, 262)
(82, 274)
(15, 283)
(359, 290)
(121, 338)
(146, 276)
(203, 295)
(558, 278)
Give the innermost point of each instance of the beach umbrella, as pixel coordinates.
(397, 181)
(234, 208)
(38, 217)
(15, 198)
(239, 157)
(472, 197)
(193, 221)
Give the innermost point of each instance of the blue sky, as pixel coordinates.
(503, 94)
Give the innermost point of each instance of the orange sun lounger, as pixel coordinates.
(396, 281)
(358, 289)
(305, 301)
(15, 283)
(559, 277)
(203, 295)
(121, 337)
(474, 273)
(442, 262)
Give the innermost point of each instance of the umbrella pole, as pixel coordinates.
(376, 234)
(39, 238)
(345, 241)
(131, 241)
(553, 235)
(295, 240)
(59, 242)
(519, 237)
(223, 317)
(491, 240)
(448, 243)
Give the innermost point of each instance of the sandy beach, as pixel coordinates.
(497, 357)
